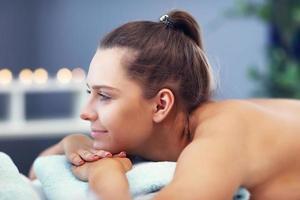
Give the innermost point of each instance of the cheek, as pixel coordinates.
(114, 118)
(126, 123)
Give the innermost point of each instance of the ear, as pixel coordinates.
(163, 103)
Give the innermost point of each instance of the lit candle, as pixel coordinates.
(78, 74)
(26, 76)
(40, 76)
(64, 75)
(5, 76)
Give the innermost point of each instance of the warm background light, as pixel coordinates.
(5, 76)
(64, 75)
(78, 74)
(26, 76)
(40, 76)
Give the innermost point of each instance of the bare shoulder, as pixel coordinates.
(267, 128)
(251, 115)
(224, 117)
(283, 107)
(215, 163)
(208, 168)
(276, 106)
(235, 143)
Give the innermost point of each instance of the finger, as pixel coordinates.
(102, 153)
(122, 154)
(76, 172)
(87, 155)
(126, 163)
(75, 159)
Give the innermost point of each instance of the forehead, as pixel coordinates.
(108, 68)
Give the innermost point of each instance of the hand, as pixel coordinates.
(79, 149)
(117, 162)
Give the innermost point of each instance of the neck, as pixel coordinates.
(174, 133)
(174, 136)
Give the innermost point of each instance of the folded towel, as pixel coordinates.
(58, 182)
(13, 186)
(146, 177)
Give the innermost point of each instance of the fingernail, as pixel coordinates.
(79, 161)
(107, 154)
(122, 153)
(95, 156)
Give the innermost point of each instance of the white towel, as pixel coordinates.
(58, 183)
(144, 178)
(13, 185)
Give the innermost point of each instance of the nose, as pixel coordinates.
(88, 114)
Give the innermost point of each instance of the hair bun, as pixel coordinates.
(186, 23)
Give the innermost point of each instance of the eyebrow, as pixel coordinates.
(97, 87)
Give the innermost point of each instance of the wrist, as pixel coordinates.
(105, 184)
(106, 167)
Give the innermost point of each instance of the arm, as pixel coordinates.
(106, 177)
(113, 183)
(78, 148)
(212, 167)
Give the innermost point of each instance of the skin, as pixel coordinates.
(253, 143)
(78, 150)
(131, 123)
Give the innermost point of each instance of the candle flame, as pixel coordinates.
(40, 76)
(26, 76)
(5, 76)
(64, 75)
(78, 74)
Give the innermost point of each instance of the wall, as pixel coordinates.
(61, 33)
(58, 33)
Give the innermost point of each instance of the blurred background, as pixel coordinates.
(46, 47)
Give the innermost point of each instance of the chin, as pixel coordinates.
(106, 147)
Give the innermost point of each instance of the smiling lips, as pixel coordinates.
(97, 133)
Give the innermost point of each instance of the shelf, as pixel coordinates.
(43, 128)
(51, 85)
(16, 124)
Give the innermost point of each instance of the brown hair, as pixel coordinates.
(166, 57)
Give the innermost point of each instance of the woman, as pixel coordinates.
(150, 87)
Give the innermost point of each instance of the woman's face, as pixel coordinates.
(120, 117)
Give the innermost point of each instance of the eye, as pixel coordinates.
(104, 97)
